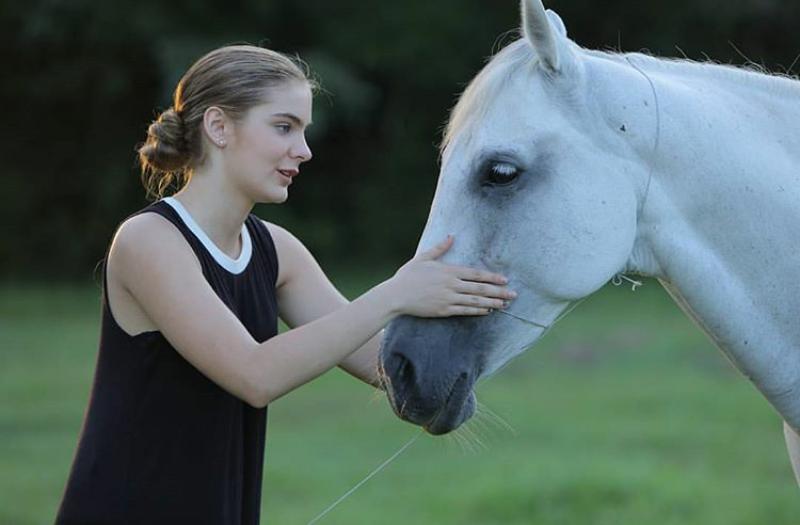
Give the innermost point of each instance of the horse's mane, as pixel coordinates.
(749, 71)
(487, 83)
(518, 56)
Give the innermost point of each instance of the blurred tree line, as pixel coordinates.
(82, 80)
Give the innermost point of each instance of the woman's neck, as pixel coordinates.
(217, 208)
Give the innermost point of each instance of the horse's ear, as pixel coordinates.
(546, 33)
(556, 22)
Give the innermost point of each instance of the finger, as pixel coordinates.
(466, 310)
(485, 290)
(438, 250)
(476, 301)
(482, 276)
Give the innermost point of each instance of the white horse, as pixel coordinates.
(563, 167)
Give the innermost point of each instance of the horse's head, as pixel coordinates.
(539, 183)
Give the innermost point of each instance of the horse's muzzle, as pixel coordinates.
(424, 387)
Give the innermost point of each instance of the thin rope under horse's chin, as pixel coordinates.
(544, 327)
(619, 277)
(657, 140)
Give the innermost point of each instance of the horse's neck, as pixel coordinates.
(721, 223)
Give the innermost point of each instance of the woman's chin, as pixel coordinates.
(274, 196)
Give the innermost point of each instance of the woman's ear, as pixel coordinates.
(215, 126)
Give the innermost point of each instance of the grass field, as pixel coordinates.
(625, 414)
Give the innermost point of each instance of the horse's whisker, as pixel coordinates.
(494, 417)
(455, 437)
(476, 435)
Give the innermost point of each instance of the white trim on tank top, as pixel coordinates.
(235, 266)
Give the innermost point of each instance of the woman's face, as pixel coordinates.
(269, 144)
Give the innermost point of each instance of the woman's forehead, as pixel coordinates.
(288, 100)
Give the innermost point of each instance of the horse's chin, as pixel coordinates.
(452, 415)
(456, 407)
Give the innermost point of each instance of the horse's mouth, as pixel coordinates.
(458, 406)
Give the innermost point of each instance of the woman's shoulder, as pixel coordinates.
(145, 229)
(146, 252)
(282, 237)
(149, 239)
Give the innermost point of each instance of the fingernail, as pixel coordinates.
(513, 294)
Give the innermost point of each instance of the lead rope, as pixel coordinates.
(618, 278)
(371, 474)
(534, 323)
(657, 140)
(570, 307)
(617, 281)
(410, 442)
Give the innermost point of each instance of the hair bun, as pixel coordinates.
(165, 149)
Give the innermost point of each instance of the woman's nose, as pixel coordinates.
(302, 151)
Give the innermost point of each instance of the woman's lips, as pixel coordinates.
(288, 174)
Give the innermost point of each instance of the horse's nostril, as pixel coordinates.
(400, 369)
(406, 371)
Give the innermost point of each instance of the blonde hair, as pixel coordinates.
(232, 78)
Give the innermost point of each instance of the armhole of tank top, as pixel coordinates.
(263, 230)
(106, 299)
(106, 302)
(107, 310)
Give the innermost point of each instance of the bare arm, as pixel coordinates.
(305, 294)
(158, 269)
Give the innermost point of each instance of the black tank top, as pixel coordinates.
(161, 443)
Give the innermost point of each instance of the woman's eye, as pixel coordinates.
(500, 173)
(284, 128)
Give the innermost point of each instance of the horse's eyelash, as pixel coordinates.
(504, 168)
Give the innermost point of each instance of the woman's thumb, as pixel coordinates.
(438, 250)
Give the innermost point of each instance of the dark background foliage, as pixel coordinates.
(82, 79)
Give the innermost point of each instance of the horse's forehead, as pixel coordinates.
(517, 113)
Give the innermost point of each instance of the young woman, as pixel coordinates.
(194, 284)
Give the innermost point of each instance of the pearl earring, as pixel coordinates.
(221, 142)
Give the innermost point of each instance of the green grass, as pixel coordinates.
(625, 414)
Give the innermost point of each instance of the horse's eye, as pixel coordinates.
(500, 173)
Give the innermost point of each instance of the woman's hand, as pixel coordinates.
(425, 287)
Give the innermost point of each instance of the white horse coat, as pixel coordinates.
(577, 165)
